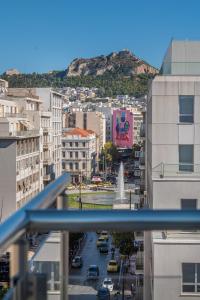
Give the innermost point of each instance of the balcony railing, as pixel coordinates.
(36, 217)
(27, 133)
(176, 170)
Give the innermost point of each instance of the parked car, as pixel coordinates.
(77, 262)
(104, 234)
(107, 283)
(100, 241)
(103, 294)
(112, 266)
(103, 248)
(93, 272)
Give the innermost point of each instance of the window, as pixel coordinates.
(186, 158)
(83, 144)
(83, 154)
(63, 154)
(63, 166)
(71, 166)
(71, 154)
(186, 109)
(76, 166)
(76, 154)
(188, 203)
(76, 144)
(70, 144)
(191, 277)
(63, 144)
(83, 166)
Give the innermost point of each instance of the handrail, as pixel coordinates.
(13, 227)
(117, 220)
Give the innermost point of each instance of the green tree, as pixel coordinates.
(124, 241)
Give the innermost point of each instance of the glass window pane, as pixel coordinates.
(186, 118)
(198, 288)
(188, 270)
(198, 273)
(188, 204)
(186, 157)
(186, 104)
(188, 288)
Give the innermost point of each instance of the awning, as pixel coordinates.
(96, 179)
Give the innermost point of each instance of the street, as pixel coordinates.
(79, 288)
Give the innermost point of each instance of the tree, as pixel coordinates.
(124, 241)
(109, 153)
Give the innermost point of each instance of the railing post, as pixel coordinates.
(18, 265)
(64, 253)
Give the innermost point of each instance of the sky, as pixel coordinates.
(44, 35)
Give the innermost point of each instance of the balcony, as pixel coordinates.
(47, 177)
(176, 171)
(47, 161)
(46, 145)
(20, 134)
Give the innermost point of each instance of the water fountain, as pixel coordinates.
(120, 201)
(120, 192)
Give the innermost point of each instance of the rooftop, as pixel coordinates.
(79, 131)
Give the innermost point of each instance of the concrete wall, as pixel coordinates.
(7, 178)
(168, 268)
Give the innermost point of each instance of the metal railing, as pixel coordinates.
(35, 216)
(176, 170)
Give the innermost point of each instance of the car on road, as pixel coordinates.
(112, 266)
(107, 283)
(93, 272)
(103, 294)
(103, 248)
(77, 262)
(105, 235)
(100, 241)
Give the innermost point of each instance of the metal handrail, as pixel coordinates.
(116, 220)
(13, 227)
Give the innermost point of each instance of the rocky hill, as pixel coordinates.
(123, 63)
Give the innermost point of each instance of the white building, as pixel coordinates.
(172, 260)
(79, 153)
(20, 159)
(51, 102)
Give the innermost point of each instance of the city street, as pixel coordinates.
(79, 288)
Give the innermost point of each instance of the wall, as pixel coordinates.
(7, 177)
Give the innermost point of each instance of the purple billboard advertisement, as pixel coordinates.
(123, 128)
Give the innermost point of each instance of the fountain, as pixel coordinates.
(120, 200)
(120, 192)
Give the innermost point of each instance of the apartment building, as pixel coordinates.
(20, 164)
(90, 120)
(172, 260)
(79, 153)
(52, 101)
(47, 142)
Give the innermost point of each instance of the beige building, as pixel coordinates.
(79, 153)
(51, 102)
(172, 260)
(92, 120)
(20, 163)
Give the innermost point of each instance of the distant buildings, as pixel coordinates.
(11, 72)
(30, 144)
(79, 153)
(89, 120)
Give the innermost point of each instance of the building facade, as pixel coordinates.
(79, 153)
(91, 120)
(172, 261)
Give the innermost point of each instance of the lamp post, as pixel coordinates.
(130, 199)
(80, 192)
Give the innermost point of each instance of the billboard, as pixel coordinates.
(123, 128)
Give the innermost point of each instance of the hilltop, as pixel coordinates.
(115, 74)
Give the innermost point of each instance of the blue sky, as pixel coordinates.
(44, 35)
